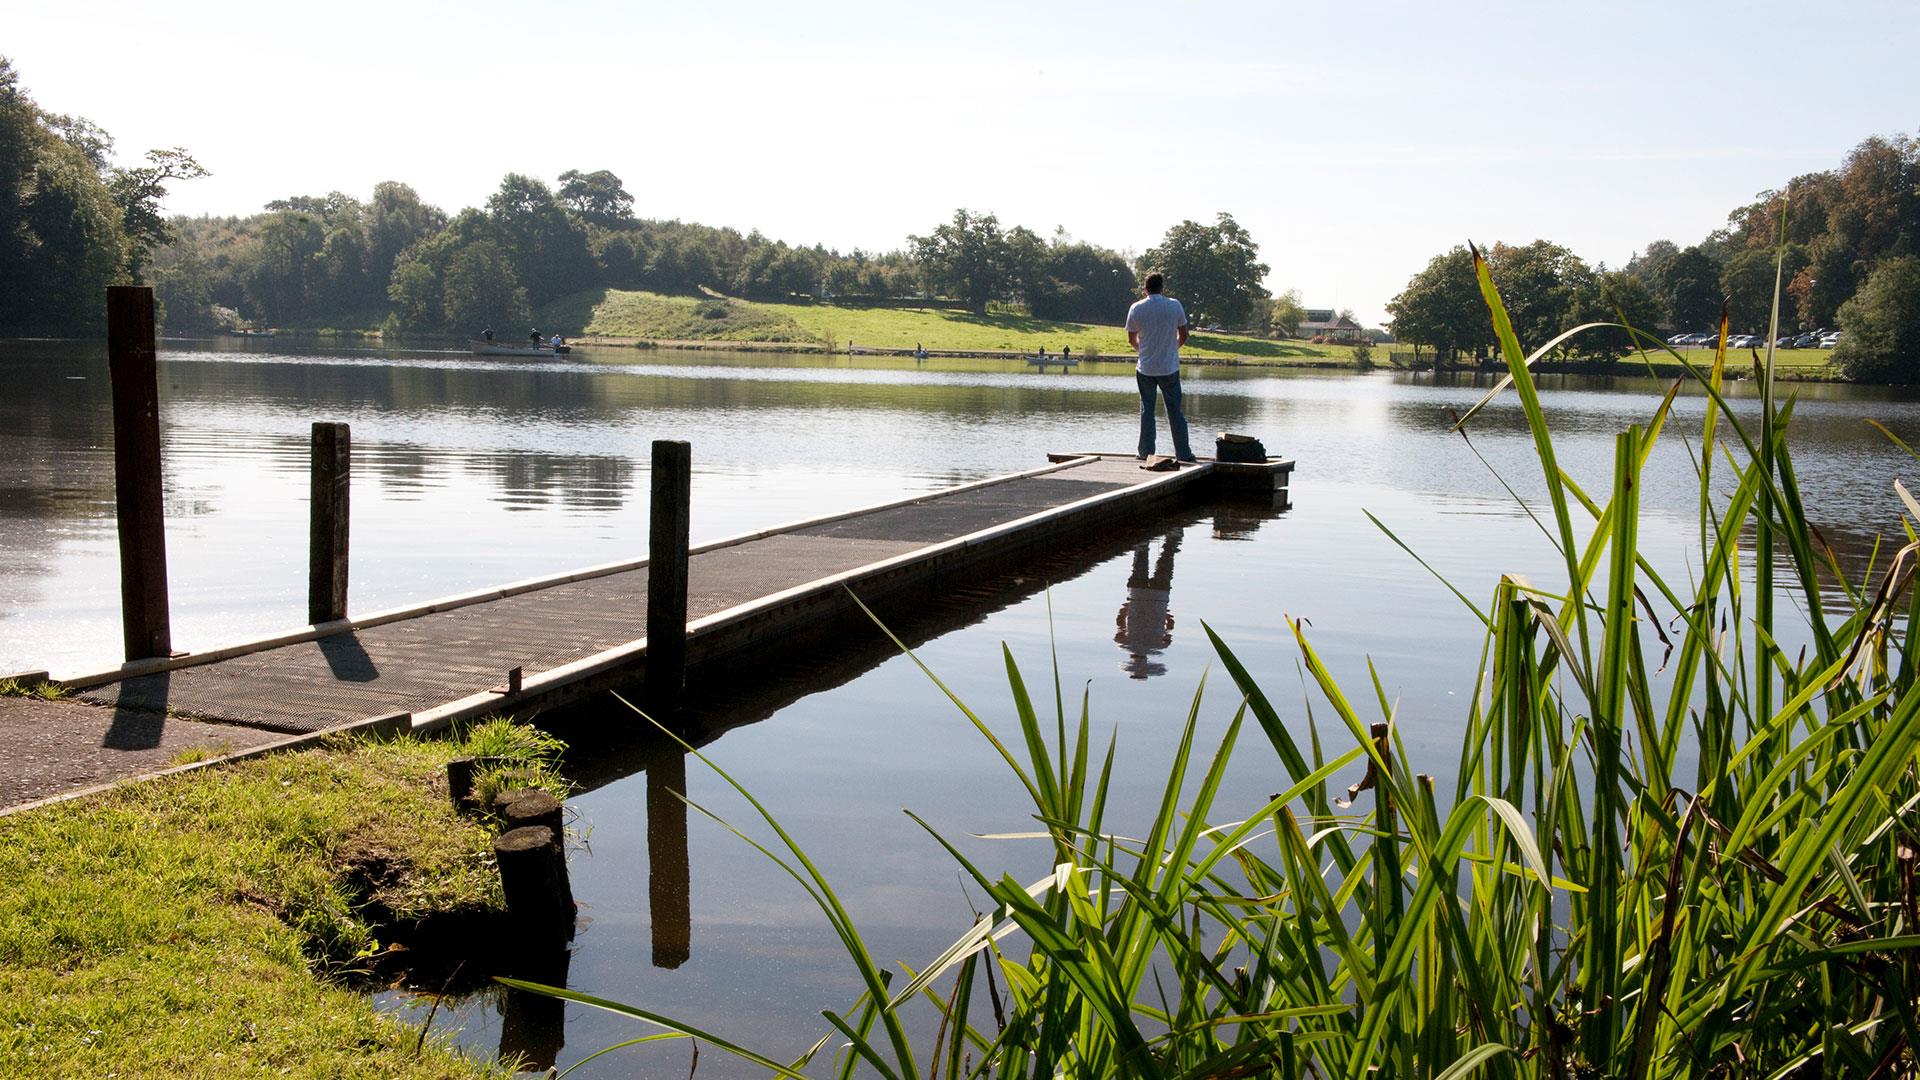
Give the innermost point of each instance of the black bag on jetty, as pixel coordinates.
(1240, 448)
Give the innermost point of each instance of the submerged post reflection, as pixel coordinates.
(669, 892)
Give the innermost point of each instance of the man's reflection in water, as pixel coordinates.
(1145, 626)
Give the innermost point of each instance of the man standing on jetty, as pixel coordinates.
(1156, 328)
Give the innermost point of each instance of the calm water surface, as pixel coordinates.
(470, 473)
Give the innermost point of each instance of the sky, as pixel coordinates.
(1353, 140)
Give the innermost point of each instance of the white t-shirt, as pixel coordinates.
(1157, 318)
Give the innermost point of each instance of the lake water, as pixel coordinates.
(468, 473)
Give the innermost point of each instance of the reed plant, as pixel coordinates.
(1666, 854)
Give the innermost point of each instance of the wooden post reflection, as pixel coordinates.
(533, 1027)
(668, 887)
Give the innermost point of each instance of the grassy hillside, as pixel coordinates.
(653, 316)
(614, 313)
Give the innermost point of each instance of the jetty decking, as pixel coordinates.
(576, 634)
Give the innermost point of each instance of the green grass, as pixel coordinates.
(187, 927)
(44, 691)
(1673, 848)
(614, 313)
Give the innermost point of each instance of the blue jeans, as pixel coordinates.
(1169, 387)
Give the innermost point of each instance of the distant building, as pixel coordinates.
(1326, 323)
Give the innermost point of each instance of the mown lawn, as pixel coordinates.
(184, 927)
(616, 313)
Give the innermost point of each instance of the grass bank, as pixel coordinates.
(207, 925)
(657, 317)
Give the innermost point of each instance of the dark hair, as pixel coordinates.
(1155, 283)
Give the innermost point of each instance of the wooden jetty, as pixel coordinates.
(539, 644)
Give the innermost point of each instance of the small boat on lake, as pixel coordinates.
(509, 348)
(1043, 362)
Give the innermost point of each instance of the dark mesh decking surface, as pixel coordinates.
(428, 660)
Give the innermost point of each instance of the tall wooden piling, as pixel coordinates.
(133, 363)
(327, 539)
(667, 579)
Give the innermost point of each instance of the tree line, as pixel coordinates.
(1850, 260)
(71, 223)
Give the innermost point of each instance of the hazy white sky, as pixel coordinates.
(1354, 140)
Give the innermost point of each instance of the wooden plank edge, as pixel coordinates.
(385, 724)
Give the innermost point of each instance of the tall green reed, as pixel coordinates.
(1577, 905)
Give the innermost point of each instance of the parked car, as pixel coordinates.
(1830, 340)
(1784, 341)
(1806, 341)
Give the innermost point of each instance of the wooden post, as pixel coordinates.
(533, 878)
(531, 807)
(327, 544)
(460, 773)
(132, 361)
(667, 579)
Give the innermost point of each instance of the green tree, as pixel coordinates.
(414, 293)
(480, 290)
(1546, 288)
(966, 257)
(1747, 280)
(1621, 297)
(1286, 313)
(547, 248)
(1441, 308)
(396, 220)
(598, 197)
(1215, 270)
(62, 240)
(1881, 322)
(1689, 289)
(138, 192)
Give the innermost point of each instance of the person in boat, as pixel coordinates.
(1066, 353)
(533, 338)
(556, 343)
(919, 351)
(487, 335)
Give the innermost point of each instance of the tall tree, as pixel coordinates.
(1747, 281)
(480, 291)
(1215, 270)
(1881, 342)
(598, 197)
(1286, 313)
(547, 248)
(966, 257)
(1441, 308)
(1546, 289)
(396, 220)
(138, 192)
(1621, 297)
(1690, 290)
(62, 240)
